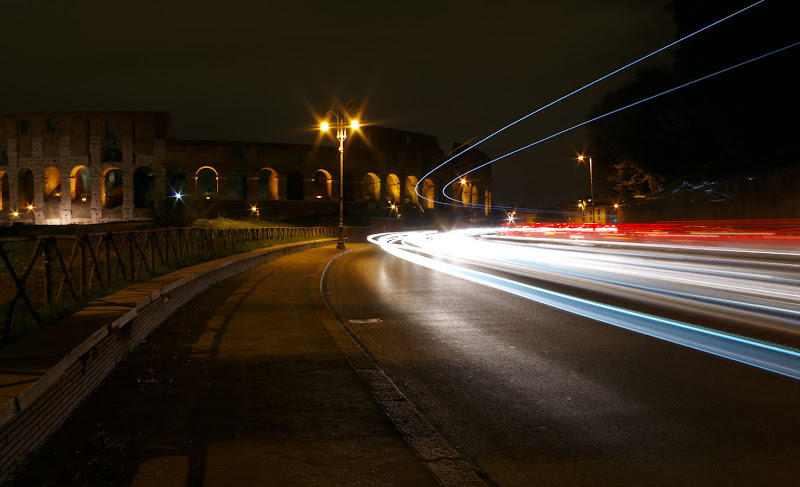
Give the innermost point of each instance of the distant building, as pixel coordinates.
(97, 167)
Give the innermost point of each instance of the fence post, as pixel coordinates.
(131, 256)
(49, 285)
(107, 242)
(84, 268)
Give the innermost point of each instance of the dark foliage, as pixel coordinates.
(742, 120)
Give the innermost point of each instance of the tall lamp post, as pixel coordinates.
(339, 115)
(591, 183)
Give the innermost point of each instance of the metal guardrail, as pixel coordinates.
(47, 270)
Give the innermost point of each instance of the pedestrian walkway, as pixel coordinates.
(244, 386)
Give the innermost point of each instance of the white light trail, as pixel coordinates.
(725, 288)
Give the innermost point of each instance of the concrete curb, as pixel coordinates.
(434, 450)
(28, 420)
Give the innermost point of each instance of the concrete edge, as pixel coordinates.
(11, 409)
(439, 457)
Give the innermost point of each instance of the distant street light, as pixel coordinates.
(591, 183)
(340, 114)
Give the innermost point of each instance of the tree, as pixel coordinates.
(741, 120)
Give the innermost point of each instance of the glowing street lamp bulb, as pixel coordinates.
(463, 180)
(580, 157)
(16, 213)
(324, 126)
(30, 207)
(354, 125)
(254, 208)
(178, 195)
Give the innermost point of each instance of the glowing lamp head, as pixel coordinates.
(463, 180)
(354, 125)
(16, 214)
(30, 207)
(581, 158)
(324, 126)
(178, 195)
(253, 208)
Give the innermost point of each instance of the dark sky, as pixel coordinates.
(251, 70)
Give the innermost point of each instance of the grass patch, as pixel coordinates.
(24, 322)
(236, 224)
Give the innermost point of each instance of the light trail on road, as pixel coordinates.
(752, 284)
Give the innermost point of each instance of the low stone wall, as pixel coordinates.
(28, 420)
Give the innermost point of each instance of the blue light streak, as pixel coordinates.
(652, 97)
(767, 356)
(416, 187)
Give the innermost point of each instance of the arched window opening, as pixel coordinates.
(372, 187)
(466, 193)
(294, 186)
(410, 195)
(25, 189)
(113, 191)
(322, 184)
(176, 182)
(80, 184)
(112, 154)
(144, 187)
(429, 193)
(393, 188)
(52, 183)
(207, 184)
(4, 203)
(267, 185)
(237, 185)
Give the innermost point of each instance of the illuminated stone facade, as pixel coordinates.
(96, 167)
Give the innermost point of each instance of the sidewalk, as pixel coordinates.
(244, 386)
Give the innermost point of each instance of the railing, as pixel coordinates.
(41, 273)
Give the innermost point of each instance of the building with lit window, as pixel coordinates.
(97, 167)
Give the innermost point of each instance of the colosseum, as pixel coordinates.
(98, 167)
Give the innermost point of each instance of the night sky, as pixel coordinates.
(253, 71)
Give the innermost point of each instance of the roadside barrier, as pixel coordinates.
(46, 271)
(31, 415)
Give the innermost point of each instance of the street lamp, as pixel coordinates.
(591, 183)
(340, 114)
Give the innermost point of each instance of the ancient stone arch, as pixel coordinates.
(429, 193)
(410, 194)
(267, 184)
(207, 183)
(372, 187)
(322, 183)
(144, 187)
(393, 188)
(113, 189)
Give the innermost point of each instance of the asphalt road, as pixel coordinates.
(531, 395)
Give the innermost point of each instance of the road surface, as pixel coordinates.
(533, 395)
